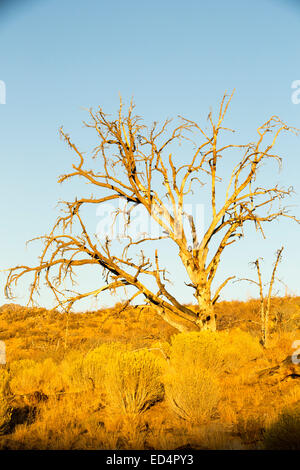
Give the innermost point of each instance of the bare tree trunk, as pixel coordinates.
(206, 314)
(267, 311)
(263, 323)
(262, 305)
(265, 306)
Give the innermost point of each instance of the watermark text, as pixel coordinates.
(2, 92)
(296, 94)
(2, 353)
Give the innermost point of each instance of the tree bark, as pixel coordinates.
(206, 314)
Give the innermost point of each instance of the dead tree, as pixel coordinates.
(136, 163)
(265, 302)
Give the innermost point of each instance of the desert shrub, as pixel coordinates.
(193, 394)
(218, 351)
(161, 349)
(28, 376)
(284, 433)
(197, 350)
(284, 315)
(5, 409)
(238, 348)
(133, 381)
(16, 367)
(96, 363)
(82, 372)
(70, 371)
(192, 375)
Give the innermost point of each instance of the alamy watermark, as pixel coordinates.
(296, 94)
(2, 92)
(136, 223)
(2, 353)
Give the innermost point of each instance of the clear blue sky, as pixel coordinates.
(59, 57)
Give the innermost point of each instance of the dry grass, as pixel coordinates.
(284, 432)
(88, 382)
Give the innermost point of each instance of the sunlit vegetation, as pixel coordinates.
(128, 380)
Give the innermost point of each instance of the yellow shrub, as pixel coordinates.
(70, 371)
(238, 348)
(81, 372)
(16, 367)
(191, 379)
(192, 393)
(133, 381)
(218, 351)
(96, 363)
(29, 376)
(196, 350)
(161, 349)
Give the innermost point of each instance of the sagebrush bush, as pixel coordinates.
(82, 372)
(161, 349)
(220, 351)
(29, 376)
(70, 371)
(238, 348)
(97, 362)
(192, 376)
(284, 433)
(15, 367)
(193, 393)
(201, 349)
(133, 381)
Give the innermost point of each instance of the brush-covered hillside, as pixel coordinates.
(124, 379)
